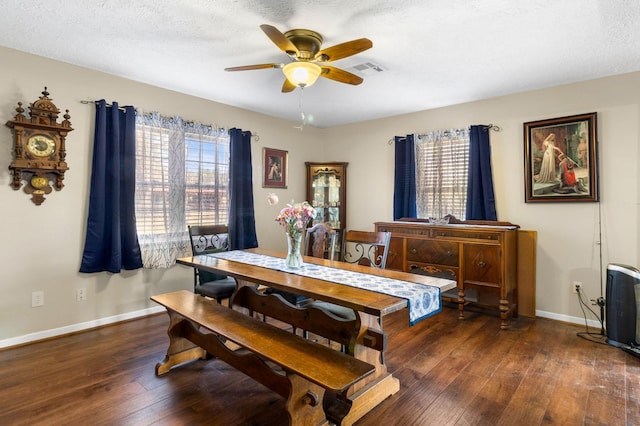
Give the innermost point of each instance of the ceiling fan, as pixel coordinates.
(303, 47)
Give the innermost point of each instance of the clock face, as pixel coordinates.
(41, 145)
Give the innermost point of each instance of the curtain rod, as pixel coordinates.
(87, 102)
(493, 127)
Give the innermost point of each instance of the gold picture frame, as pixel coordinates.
(561, 161)
(275, 168)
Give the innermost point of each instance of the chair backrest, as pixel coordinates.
(208, 238)
(366, 248)
(320, 239)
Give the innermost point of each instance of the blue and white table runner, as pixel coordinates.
(423, 300)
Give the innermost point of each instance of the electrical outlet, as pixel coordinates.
(37, 299)
(81, 295)
(577, 285)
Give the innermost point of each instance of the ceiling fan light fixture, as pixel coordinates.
(302, 74)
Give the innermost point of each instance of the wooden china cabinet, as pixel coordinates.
(326, 191)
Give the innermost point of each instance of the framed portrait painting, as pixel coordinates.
(561, 161)
(274, 174)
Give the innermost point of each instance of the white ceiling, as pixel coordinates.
(433, 52)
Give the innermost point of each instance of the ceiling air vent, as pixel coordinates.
(366, 69)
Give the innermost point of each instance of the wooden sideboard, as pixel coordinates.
(483, 259)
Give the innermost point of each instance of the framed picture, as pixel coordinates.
(561, 161)
(275, 163)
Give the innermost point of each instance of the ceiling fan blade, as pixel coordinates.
(253, 67)
(344, 50)
(288, 87)
(279, 39)
(342, 76)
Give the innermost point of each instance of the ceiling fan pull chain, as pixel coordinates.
(302, 114)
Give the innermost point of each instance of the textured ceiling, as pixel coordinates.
(433, 53)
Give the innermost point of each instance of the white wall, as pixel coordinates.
(568, 233)
(42, 246)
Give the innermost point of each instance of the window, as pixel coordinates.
(442, 163)
(182, 178)
(207, 180)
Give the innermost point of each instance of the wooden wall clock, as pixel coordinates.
(39, 152)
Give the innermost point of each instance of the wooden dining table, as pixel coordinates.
(371, 306)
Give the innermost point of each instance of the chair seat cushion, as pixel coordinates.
(223, 288)
(337, 310)
(206, 276)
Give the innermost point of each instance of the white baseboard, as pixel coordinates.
(40, 335)
(567, 318)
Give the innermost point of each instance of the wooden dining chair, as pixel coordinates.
(364, 248)
(207, 239)
(320, 241)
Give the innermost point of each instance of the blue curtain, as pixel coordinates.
(404, 182)
(242, 219)
(481, 202)
(111, 242)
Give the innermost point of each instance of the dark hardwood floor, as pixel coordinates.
(451, 373)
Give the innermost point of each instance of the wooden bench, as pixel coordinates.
(298, 369)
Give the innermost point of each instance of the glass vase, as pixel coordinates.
(294, 256)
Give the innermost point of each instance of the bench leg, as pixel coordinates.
(345, 411)
(304, 404)
(180, 349)
(366, 394)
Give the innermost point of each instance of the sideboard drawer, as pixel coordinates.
(467, 235)
(432, 251)
(433, 270)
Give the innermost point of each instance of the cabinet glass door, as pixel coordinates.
(326, 198)
(326, 192)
